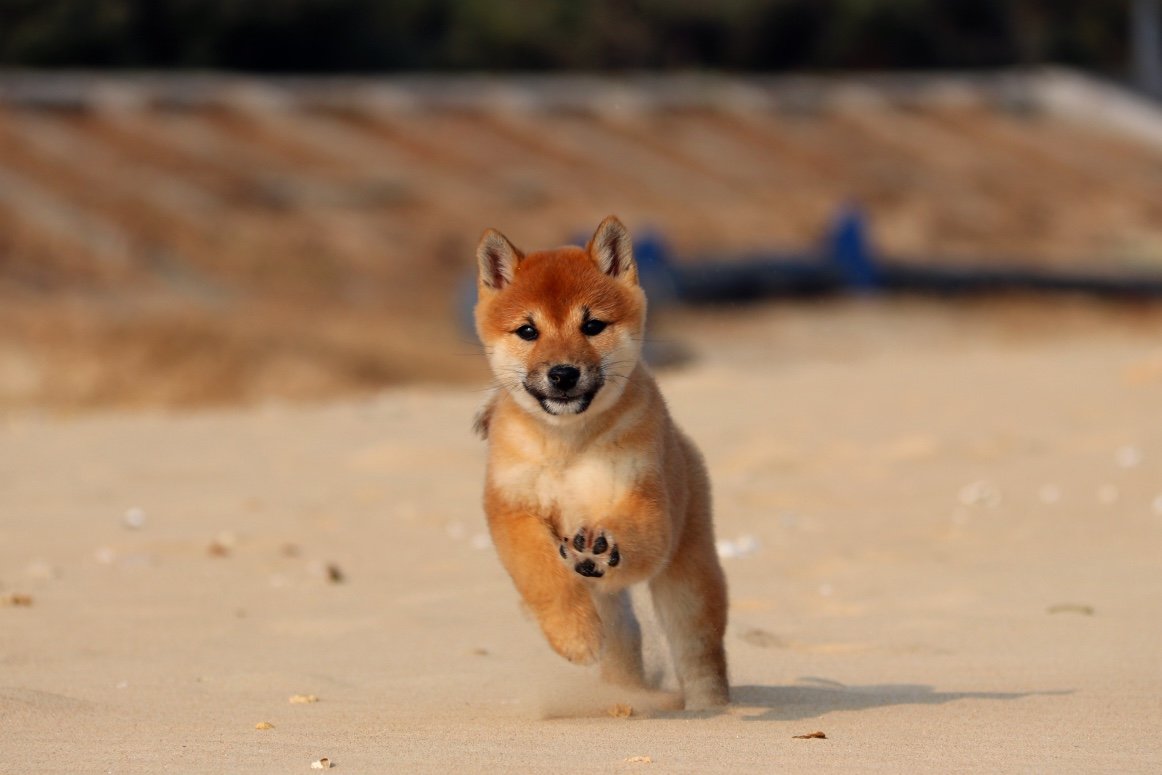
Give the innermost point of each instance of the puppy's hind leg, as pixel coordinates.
(690, 599)
(621, 659)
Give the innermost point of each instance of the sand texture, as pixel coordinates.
(944, 551)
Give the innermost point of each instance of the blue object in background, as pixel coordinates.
(655, 271)
(844, 262)
(849, 249)
(466, 296)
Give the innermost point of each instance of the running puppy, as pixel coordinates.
(590, 486)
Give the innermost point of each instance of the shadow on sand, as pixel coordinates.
(814, 697)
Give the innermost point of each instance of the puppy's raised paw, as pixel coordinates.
(576, 635)
(590, 552)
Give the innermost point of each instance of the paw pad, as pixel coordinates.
(590, 552)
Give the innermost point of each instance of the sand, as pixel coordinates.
(944, 551)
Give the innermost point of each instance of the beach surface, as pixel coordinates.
(942, 531)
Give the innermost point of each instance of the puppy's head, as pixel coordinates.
(562, 328)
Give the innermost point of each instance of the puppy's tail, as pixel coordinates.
(484, 417)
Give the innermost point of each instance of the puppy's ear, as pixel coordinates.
(612, 250)
(497, 259)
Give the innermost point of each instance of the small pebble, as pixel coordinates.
(321, 764)
(223, 544)
(980, 493)
(264, 725)
(302, 699)
(639, 760)
(134, 518)
(738, 547)
(1128, 456)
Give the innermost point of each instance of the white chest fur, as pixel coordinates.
(575, 487)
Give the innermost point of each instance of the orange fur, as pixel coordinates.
(590, 486)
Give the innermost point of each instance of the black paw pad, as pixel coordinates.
(589, 552)
(588, 569)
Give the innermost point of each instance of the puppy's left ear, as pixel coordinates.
(612, 250)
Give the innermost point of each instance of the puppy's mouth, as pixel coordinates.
(562, 403)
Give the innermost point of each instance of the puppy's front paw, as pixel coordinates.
(582, 647)
(590, 552)
(575, 632)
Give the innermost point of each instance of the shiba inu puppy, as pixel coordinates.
(590, 486)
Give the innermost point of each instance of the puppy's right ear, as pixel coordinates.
(497, 259)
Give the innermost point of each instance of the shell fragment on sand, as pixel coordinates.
(620, 710)
(134, 518)
(1128, 456)
(322, 764)
(739, 547)
(980, 493)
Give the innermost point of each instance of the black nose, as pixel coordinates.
(564, 377)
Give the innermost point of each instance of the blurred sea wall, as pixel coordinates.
(186, 240)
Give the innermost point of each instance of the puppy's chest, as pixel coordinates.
(588, 483)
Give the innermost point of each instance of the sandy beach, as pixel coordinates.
(943, 540)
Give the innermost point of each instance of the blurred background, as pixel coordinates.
(209, 202)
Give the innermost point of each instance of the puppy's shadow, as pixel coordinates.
(813, 697)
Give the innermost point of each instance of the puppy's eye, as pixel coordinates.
(527, 333)
(593, 327)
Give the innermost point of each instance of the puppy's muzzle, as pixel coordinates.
(564, 388)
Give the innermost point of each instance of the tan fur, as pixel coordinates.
(615, 476)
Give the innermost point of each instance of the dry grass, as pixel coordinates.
(181, 258)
